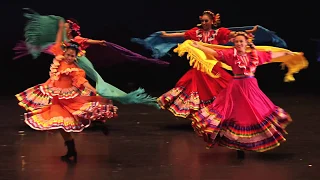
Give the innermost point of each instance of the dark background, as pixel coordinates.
(118, 21)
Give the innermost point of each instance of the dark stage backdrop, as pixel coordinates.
(118, 21)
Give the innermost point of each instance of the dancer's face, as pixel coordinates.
(240, 43)
(206, 22)
(70, 55)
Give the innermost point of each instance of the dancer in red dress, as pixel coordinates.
(197, 89)
(242, 117)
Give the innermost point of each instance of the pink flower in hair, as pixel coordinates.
(75, 27)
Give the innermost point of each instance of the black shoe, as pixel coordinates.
(105, 130)
(240, 154)
(209, 146)
(71, 151)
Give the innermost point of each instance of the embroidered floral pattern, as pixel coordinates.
(206, 36)
(249, 64)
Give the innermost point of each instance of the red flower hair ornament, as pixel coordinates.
(74, 26)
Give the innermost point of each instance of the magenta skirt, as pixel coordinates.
(242, 117)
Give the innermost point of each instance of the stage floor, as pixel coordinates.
(148, 144)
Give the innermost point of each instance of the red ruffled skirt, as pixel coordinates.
(194, 91)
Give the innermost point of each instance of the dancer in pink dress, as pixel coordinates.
(242, 117)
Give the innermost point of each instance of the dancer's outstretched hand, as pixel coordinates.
(253, 30)
(163, 34)
(103, 43)
(195, 44)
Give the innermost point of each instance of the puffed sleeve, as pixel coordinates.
(225, 56)
(82, 41)
(56, 49)
(264, 57)
(223, 35)
(191, 34)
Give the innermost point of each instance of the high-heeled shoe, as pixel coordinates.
(71, 151)
(209, 146)
(240, 154)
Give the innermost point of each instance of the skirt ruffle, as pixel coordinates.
(194, 91)
(90, 108)
(181, 102)
(258, 137)
(65, 93)
(69, 124)
(242, 117)
(71, 115)
(33, 98)
(39, 96)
